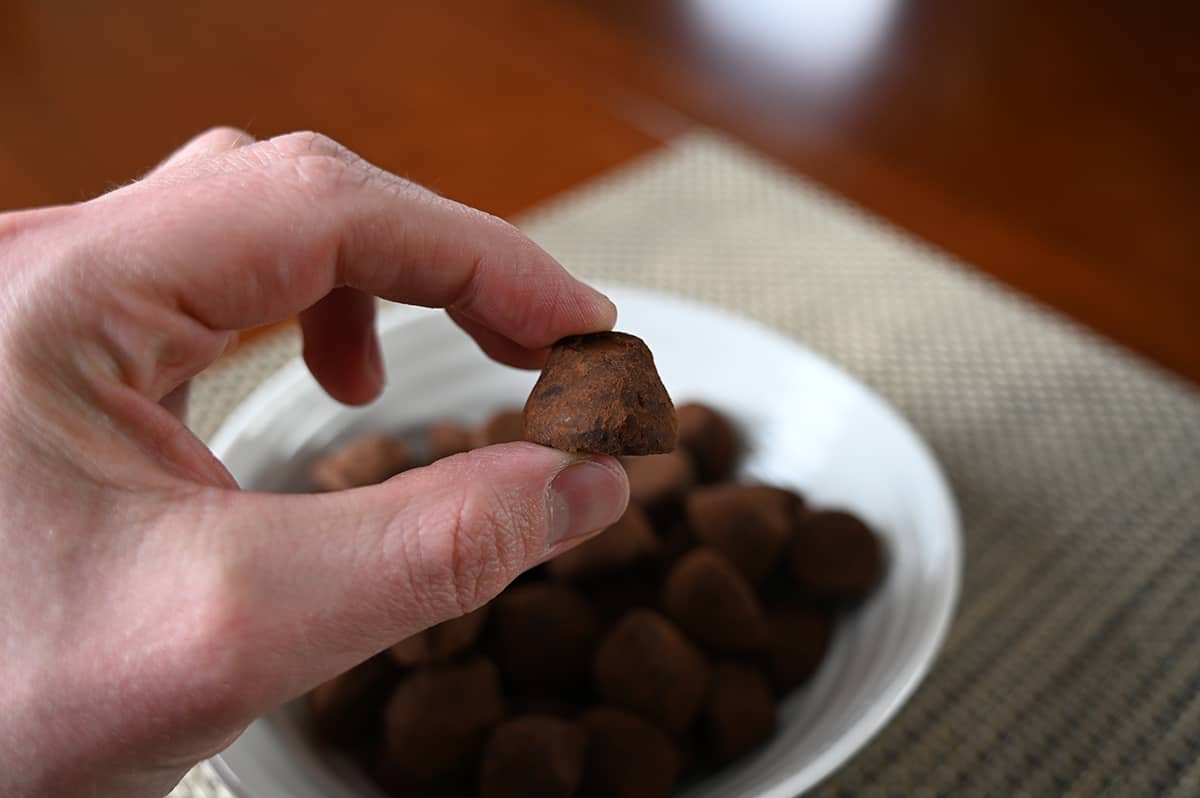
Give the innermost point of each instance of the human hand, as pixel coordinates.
(149, 609)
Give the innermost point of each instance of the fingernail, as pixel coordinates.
(586, 497)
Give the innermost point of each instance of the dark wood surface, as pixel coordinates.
(1052, 145)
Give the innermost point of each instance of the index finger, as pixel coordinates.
(262, 232)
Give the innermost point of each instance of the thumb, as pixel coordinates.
(320, 582)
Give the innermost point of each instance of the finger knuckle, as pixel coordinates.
(309, 142)
(321, 178)
(224, 135)
(322, 166)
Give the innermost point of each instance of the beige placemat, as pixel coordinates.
(1073, 666)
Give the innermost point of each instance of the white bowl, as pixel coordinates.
(808, 426)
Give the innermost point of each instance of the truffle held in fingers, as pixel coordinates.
(601, 394)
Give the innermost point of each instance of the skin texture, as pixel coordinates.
(149, 609)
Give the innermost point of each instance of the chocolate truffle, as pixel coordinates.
(658, 482)
(836, 556)
(503, 427)
(624, 544)
(540, 703)
(345, 710)
(401, 784)
(439, 717)
(440, 642)
(533, 757)
(411, 651)
(677, 540)
(601, 393)
(364, 461)
(397, 782)
(444, 438)
(745, 523)
(710, 439)
(627, 757)
(788, 503)
(616, 595)
(714, 604)
(798, 639)
(739, 713)
(546, 635)
(646, 665)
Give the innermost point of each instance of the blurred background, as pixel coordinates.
(1052, 145)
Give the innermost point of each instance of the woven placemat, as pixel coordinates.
(1073, 665)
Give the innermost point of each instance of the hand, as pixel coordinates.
(149, 610)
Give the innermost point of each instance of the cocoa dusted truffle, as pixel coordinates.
(439, 717)
(503, 427)
(600, 393)
(444, 438)
(345, 710)
(399, 783)
(534, 756)
(748, 524)
(411, 651)
(627, 757)
(836, 556)
(710, 439)
(624, 544)
(440, 642)
(542, 703)
(713, 603)
(546, 635)
(602, 684)
(788, 503)
(615, 596)
(646, 665)
(798, 639)
(364, 461)
(739, 713)
(677, 540)
(658, 482)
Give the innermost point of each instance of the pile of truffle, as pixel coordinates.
(644, 658)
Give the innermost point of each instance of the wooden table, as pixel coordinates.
(1053, 145)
